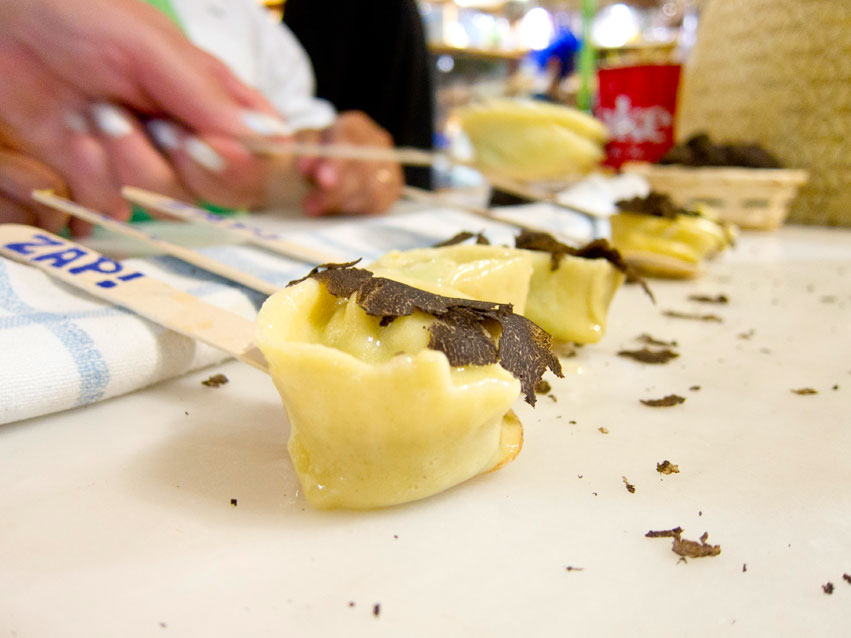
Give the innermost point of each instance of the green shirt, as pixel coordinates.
(166, 8)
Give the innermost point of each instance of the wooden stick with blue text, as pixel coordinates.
(252, 234)
(113, 282)
(184, 254)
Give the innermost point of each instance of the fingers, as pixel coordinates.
(134, 55)
(352, 186)
(19, 176)
(339, 188)
(41, 118)
(134, 159)
(202, 93)
(13, 213)
(216, 169)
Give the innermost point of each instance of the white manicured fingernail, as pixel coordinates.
(204, 155)
(111, 120)
(265, 124)
(76, 122)
(164, 133)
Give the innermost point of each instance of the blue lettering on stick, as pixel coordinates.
(62, 258)
(103, 265)
(23, 247)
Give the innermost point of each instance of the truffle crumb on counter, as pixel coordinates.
(543, 387)
(571, 568)
(719, 299)
(233, 502)
(666, 467)
(645, 355)
(653, 341)
(684, 547)
(665, 533)
(696, 316)
(694, 388)
(376, 609)
(664, 402)
(694, 549)
(847, 578)
(629, 486)
(215, 381)
(744, 567)
(827, 588)
(805, 391)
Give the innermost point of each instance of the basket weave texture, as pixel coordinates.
(778, 73)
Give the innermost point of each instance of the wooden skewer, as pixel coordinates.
(402, 155)
(514, 187)
(420, 195)
(252, 234)
(110, 280)
(184, 254)
(409, 157)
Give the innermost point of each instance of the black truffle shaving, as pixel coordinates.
(461, 237)
(525, 350)
(347, 265)
(597, 249)
(464, 328)
(463, 339)
(655, 205)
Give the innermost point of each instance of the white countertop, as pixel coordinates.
(116, 519)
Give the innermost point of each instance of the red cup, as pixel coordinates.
(637, 104)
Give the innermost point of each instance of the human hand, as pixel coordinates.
(347, 185)
(62, 68)
(127, 52)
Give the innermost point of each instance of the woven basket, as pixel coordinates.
(778, 73)
(758, 198)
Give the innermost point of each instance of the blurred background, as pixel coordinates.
(773, 73)
(528, 48)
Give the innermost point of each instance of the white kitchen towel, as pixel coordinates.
(61, 349)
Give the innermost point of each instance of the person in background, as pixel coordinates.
(371, 56)
(558, 60)
(86, 85)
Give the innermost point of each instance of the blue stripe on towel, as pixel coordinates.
(18, 320)
(93, 371)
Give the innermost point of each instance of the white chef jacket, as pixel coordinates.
(264, 54)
